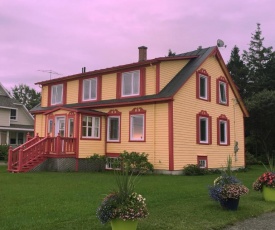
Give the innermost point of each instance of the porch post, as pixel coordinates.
(58, 144)
(10, 159)
(20, 159)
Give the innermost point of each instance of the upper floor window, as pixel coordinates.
(13, 115)
(89, 89)
(90, 127)
(130, 83)
(203, 85)
(223, 130)
(204, 124)
(113, 129)
(222, 91)
(57, 94)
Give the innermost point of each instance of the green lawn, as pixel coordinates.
(49, 200)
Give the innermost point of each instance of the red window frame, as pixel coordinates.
(204, 114)
(220, 80)
(64, 94)
(98, 89)
(202, 158)
(203, 72)
(224, 119)
(138, 111)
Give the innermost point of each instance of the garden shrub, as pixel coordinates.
(250, 159)
(98, 162)
(135, 162)
(4, 152)
(193, 170)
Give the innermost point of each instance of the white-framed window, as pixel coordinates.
(223, 132)
(137, 127)
(113, 129)
(71, 127)
(90, 127)
(223, 125)
(112, 163)
(203, 130)
(203, 87)
(89, 89)
(13, 114)
(130, 83)
(222, 93)
(57, 94)
(202, 161)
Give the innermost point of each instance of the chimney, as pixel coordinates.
(142, 53)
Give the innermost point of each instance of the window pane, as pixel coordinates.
(203, 83)
(203, 129)
(137, 127)
(222, 92)
(222, 132)
(57, 93)
(71, 127)
(86, 89)
(127, 84)
(113, 128)
(93, 88)
(136, 83)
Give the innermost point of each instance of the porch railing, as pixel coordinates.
(37, 148)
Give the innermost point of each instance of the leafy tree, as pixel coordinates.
(261, 123)
(238, 71)
(26, 95)
(256, 59)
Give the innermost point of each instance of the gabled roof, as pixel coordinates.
(196, 59)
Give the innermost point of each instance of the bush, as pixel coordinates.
(250, 159)
(193, 170)
(4, 152)
(135, 162)
(98, 162)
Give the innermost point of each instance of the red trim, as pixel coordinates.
(112, 154)
(203, 113)
(202, 158)
(222, 79)
(113, 113)
(222, 117)
(171, 135)
(138, 111)
(208, 86)
(77, 131)
(118, 85)
(157, 78)
(116, 69)
(142, 89)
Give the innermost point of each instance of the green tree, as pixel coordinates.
(261, 123)
(26, 95)
(256, 59)
(238, 71)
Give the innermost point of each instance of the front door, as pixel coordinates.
(60, 126)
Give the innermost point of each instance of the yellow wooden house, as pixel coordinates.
(183, 109)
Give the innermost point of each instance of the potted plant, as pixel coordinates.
(123, 207)
(266, 182)
(227, 189)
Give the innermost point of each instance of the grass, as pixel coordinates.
(49, 200)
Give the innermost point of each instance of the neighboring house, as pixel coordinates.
(180, 110)
(15, 120)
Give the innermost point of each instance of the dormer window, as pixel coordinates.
(13, 115)
(57, 94)
(130, 83)
(89, 89)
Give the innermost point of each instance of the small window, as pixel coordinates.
(203, 130)
(113, 129)
(57, 94)
(202, 161)
(222, 88)
(130, 83)
(222, 91)
(112, 163)
(203, 87)
(90, 89)
(13, 115)
(137, 127)
(50, 126)
(90, 127)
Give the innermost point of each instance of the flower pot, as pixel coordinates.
(268, 193)
(118, 224)
(230, 204)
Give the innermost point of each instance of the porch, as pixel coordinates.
(38, 149)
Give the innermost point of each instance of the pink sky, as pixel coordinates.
(66, 35)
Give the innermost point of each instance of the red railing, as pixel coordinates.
(37, 147)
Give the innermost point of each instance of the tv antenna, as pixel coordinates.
(50, 72)
(220, 43)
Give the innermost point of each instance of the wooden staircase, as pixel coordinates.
(36, 150)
